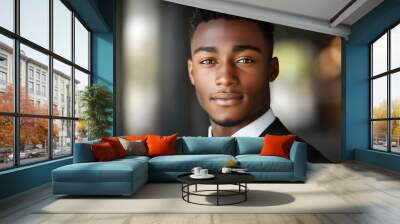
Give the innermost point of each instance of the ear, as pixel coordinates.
(274, 69)
(190, 70)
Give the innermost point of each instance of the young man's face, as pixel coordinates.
(231, 69)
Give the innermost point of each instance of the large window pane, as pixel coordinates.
(62, 138)
(62, 29)
(395, 94)
(81, 45)
(81, 81)
(33, 139)
(395, 47)
(34, 96)
(395, 136)
(81, 131)
(379, 135)
(379, 55)
(6, 142)
(62, 89)
(35, 21)
(6, 74)
(7, 14)
(379, 97)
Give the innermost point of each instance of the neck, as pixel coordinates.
(221, 131)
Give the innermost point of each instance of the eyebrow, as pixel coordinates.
(239, 48)
(236, 48)
(207, 49)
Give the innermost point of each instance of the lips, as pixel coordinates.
(227, 98)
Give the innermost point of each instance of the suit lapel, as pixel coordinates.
(276, 128)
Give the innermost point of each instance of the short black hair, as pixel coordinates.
(201, 15)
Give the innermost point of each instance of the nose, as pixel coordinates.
(226, 74)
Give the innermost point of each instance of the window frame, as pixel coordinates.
(388, 74)
(16, 115)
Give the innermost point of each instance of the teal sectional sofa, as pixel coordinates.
(125, 176)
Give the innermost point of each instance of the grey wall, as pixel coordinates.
(154, 94)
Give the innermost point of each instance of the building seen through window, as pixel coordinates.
(34, 76)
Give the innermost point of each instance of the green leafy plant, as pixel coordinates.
(96, 102)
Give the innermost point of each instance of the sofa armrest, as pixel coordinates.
(298, 155)
(83, 152)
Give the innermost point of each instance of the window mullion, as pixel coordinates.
(389, 113)
(73, 82)
(50, 81)
(371, 89)
(16, 85)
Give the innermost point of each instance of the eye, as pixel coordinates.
(245, 61)
(207, 62)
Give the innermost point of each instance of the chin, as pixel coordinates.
(227, 122)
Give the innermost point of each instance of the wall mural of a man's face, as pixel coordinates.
(230, 68)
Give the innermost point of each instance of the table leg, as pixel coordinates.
(188, 189)
(217, 194)
(245, 191)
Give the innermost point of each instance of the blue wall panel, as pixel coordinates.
(377, 158)
(357, 99)
(356, 85)
(103, 61)
(24, 178)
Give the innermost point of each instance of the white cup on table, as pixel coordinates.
(196, 170)
(203, 172)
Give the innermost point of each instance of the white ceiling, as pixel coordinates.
(324, 16)
(319, 9)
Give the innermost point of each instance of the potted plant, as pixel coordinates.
(96, 102)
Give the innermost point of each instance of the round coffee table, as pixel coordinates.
(238, 179)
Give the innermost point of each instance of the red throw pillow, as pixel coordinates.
(103, 151)
(161, 145)
(116, 145)
(277, 145)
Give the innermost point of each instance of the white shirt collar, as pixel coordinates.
(255, 128)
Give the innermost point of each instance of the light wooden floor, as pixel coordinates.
(377, 188)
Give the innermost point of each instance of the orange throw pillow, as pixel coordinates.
(277, 145)
(103, 151)
(135, 137)
(161, 145)
(116, 145)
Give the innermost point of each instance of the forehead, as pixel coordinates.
(220, 32)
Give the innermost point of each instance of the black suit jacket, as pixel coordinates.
(277, 128)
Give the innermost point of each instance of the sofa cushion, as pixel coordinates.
(204, 145)
(133, 158)
(111, 171)
(257, 163)
(185, 163)
(249, 145)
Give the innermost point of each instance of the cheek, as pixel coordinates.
(203, 85)
(254, 82)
